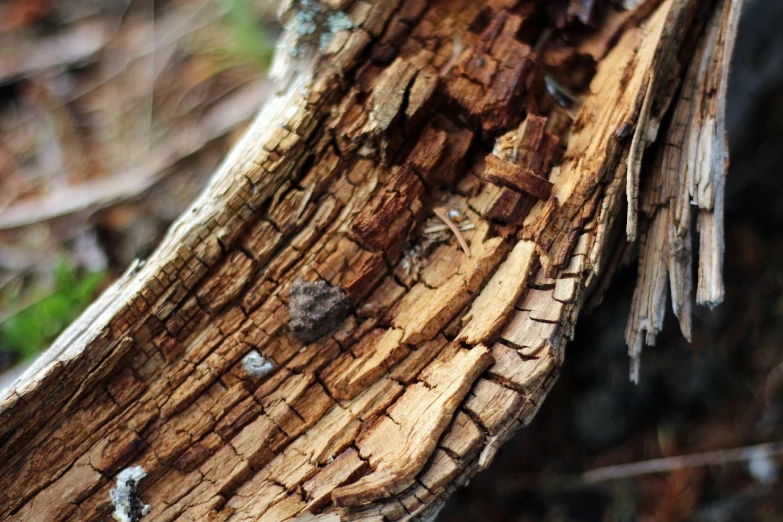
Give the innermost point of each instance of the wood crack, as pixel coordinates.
(443, 355)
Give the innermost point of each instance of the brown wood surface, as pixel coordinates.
(187, 366)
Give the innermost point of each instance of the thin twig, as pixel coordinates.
(598, 476)
(709, 458)
(464, 227)
(449, 223)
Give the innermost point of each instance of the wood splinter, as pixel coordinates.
(516, 177)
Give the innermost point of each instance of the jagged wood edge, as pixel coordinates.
(101, 309)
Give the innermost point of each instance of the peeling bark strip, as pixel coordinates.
(241, 400)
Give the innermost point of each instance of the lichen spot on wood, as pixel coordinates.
(128, 507)
(313, 25)
(257, 365)
(310, 26)
(316, 309)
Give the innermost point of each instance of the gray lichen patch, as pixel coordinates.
(313, 25)
(316, 309)
(257, 365)
(310, 26)
(128, 507)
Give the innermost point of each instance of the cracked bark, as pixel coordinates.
(418, 105)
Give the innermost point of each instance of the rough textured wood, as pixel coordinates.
(686, 184)
(515, 177)
(187, 366)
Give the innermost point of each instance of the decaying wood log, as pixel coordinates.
(410, 360)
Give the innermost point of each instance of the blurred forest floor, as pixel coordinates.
(114, 113)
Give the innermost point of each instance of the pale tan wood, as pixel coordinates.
(686, 177)
(187, 366)
(489, 310)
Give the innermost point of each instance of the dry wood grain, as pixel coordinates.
(187, 365)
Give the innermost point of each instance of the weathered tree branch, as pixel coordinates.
(187, 366)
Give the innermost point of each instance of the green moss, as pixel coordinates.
(32, 329)
(250, 39)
